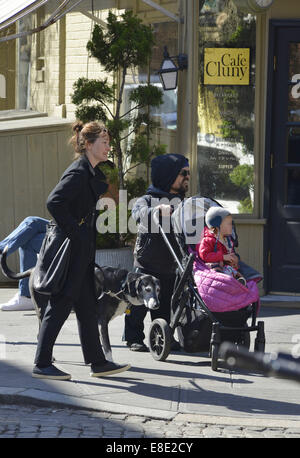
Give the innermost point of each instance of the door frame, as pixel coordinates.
(274, 25)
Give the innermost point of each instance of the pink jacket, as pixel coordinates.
(221, 292)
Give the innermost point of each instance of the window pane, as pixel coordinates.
(161, 134)
(166, 34)
(293, 145)
(226, 105)
(293, 186)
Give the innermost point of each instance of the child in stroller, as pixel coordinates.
(207, 307)
(216, 248)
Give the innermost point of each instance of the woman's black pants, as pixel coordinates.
(56, 314)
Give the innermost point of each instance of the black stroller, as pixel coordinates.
(198, 328)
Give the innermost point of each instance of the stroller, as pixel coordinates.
(202, 324)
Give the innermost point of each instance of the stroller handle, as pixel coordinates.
(156, 221)
(279, 365)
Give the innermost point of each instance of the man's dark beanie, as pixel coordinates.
(165, 169)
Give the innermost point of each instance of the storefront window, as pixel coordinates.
(226, 105)
(166, 34)
(165, 116)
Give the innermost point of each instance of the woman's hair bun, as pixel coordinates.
(77, 126)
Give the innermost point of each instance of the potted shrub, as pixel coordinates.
(125, 43)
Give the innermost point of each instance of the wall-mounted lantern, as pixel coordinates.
(168, 72)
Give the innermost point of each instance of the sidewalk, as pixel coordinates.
(183, 387)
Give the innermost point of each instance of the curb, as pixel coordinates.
(48, 399)
(240, 421)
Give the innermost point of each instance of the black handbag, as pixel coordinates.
(52, 266)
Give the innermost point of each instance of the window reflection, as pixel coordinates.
(226, 109)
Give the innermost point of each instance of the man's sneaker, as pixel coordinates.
(18, 303)
(50, 372)
(109, 368)
(135, 346)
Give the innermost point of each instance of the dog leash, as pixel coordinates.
(112, 294)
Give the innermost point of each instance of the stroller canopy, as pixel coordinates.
(189, 217)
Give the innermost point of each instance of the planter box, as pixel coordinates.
(115, 257)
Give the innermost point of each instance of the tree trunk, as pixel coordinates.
(118, 141)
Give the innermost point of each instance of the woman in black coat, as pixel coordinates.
(72, 204)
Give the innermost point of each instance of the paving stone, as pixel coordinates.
(212, 432)
(43, 423)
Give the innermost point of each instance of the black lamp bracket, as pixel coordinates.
(182, 59)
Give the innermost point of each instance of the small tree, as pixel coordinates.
(243, 177)
(126, 43)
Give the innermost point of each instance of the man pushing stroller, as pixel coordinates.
(170, 180)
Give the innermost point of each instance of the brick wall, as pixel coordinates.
(45, 93)
(78, 63)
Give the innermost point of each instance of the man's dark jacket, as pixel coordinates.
(151, 251)
(73, 200)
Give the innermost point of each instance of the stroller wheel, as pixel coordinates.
(160, 337)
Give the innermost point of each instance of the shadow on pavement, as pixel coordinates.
(12, 378)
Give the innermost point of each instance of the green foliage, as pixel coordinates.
(85, 113)
(245, 206)
(124, 44)
(243, 176)
(86, 90)
(147, 95)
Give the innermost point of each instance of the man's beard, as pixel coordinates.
(181, 190)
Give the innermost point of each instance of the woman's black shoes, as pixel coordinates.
(50, 372)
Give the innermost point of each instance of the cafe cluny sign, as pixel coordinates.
(227, 66)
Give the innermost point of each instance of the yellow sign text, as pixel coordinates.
(227, 66)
